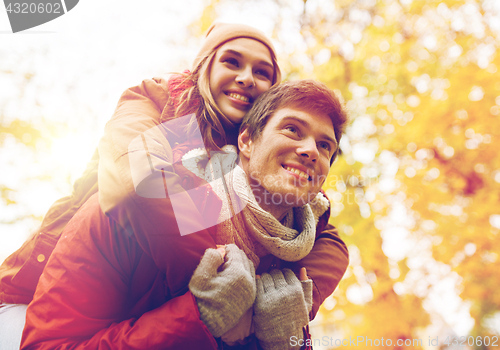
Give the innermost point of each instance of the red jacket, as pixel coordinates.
(100, 290)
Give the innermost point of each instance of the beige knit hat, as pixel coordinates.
(220, 33)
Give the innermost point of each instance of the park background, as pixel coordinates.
(415, 195)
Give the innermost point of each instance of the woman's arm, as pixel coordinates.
(157, 329)
(100, 291)
(139, 187)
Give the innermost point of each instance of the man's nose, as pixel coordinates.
(245, 77)
(308, 149)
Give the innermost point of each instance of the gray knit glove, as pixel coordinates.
(224, 296)
(280, 310)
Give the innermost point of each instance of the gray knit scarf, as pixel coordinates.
(243, 222)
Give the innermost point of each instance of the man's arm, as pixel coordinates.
(325, 264)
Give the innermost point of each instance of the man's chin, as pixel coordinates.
(283, 196)
(297, 199)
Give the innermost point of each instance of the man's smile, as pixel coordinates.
(298, 172)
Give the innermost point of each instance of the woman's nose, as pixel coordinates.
(245, 77)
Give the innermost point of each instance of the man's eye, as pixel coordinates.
(325, 145)
(292, 129)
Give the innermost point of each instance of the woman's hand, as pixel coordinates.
(223, 296)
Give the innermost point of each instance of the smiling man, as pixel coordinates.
(288, 142)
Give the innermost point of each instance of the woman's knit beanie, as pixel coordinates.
(220, 33)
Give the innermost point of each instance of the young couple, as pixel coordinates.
(191, 243)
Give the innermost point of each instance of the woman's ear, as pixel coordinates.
(245, 143)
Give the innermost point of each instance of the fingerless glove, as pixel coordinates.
(280, 309)
(224, 296)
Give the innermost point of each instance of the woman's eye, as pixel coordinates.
(232, 61)
(264, 73)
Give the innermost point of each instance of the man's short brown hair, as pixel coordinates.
(307, 95)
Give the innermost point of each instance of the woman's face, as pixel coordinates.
(241, 71)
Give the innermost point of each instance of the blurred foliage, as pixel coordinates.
(421, 81)
(26, 137)
(22, 131)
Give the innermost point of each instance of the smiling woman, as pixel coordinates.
(242, 70)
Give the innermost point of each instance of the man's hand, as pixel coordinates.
(281, 310)
(223, 297)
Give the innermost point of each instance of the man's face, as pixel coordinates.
(290, 160)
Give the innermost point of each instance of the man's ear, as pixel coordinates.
(244, 143)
